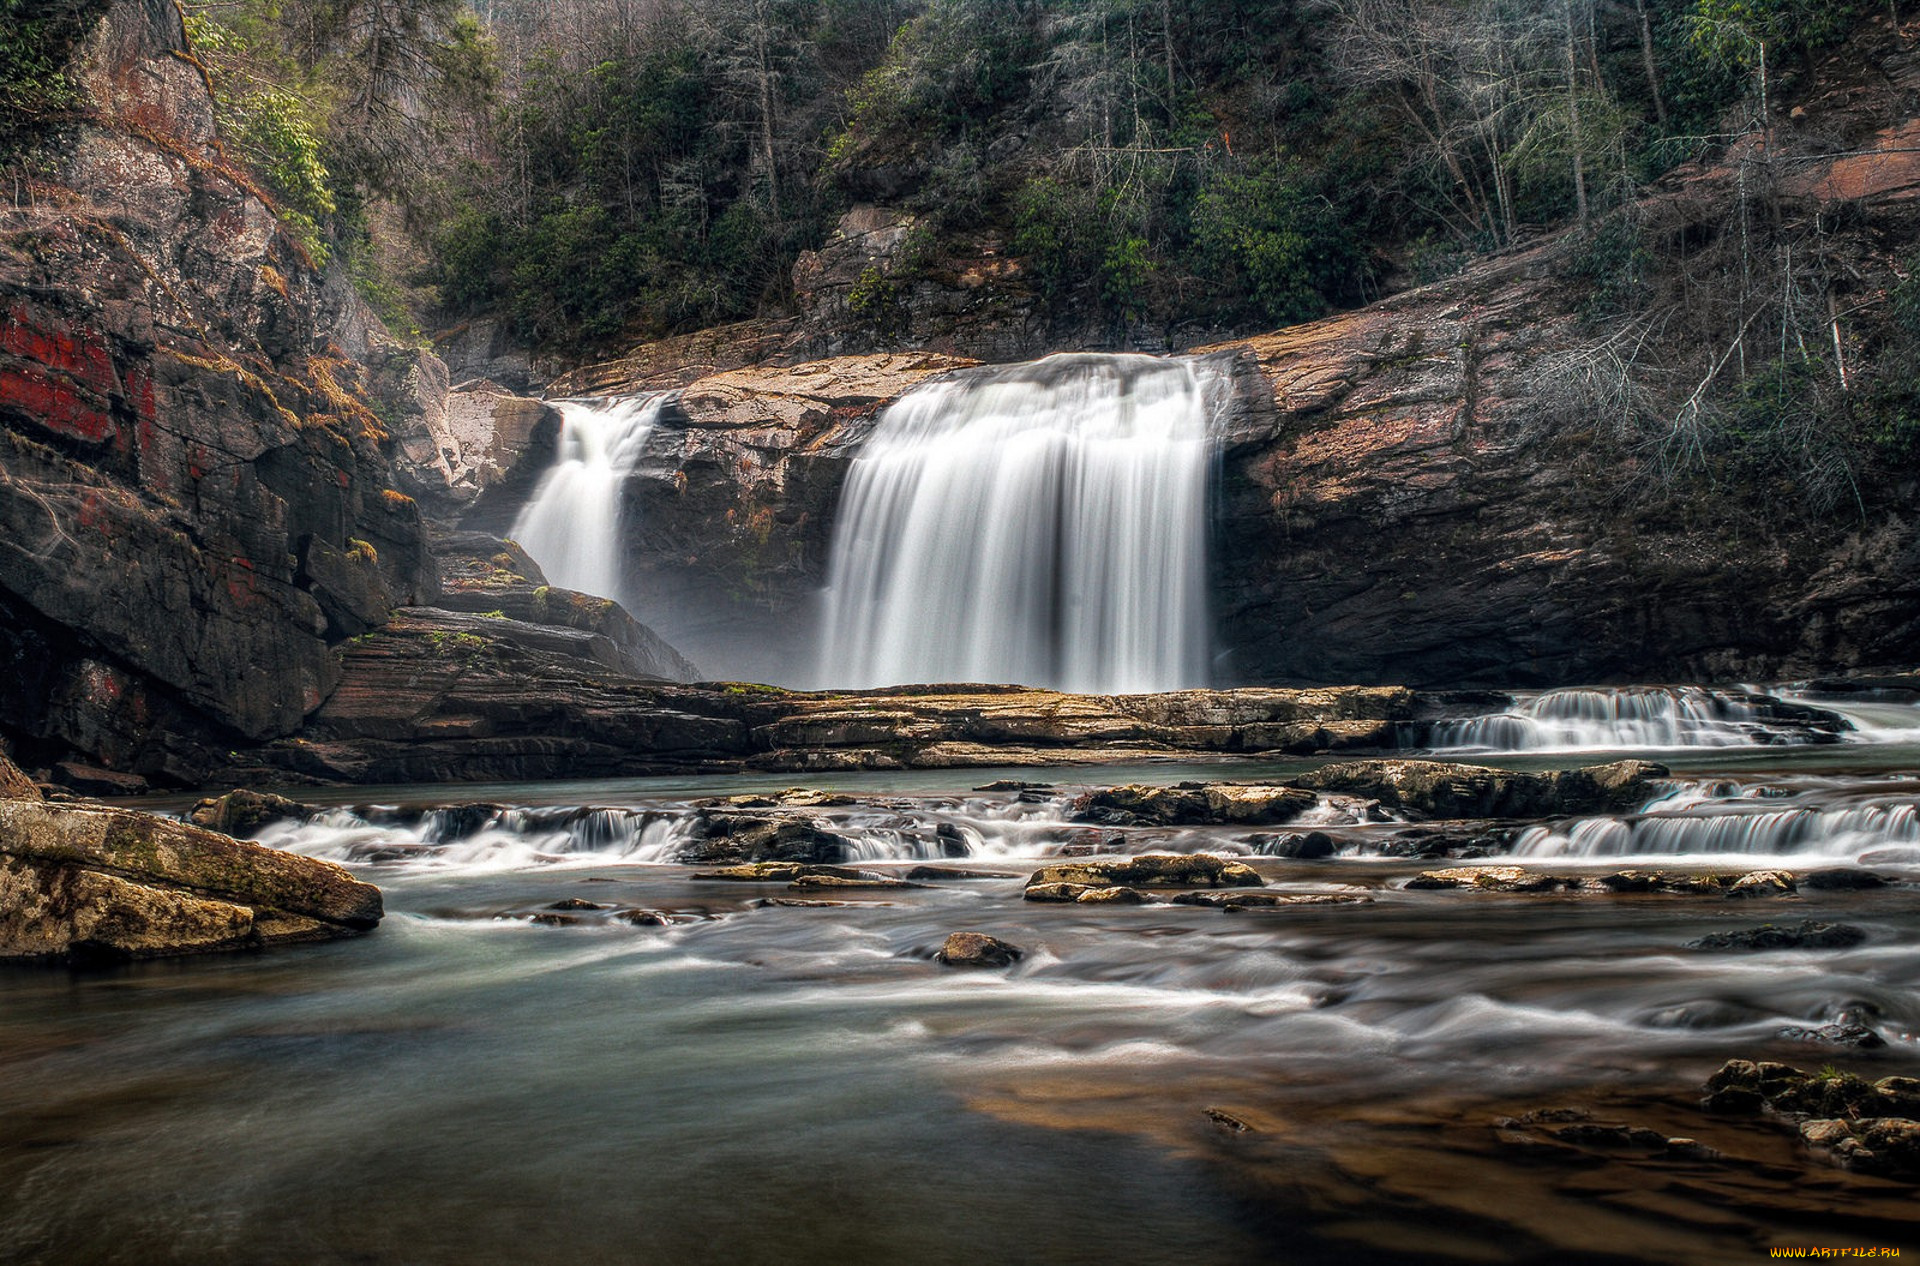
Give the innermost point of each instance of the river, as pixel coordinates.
(751, 1081)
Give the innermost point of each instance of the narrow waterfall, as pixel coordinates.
(1609, 720)
(571, 527)
(1043, 524)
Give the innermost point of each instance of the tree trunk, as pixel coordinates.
(1647, 59)
(1573, 117)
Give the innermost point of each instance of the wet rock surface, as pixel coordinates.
(1869, 1127)
(1806, 934)
(81, 884)
(1191, 804)
(241, 813)
(1765, 883)
(1197, 870)
(1441, 789)
(977, 949)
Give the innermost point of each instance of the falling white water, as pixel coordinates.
(571, 527)
(1872, 832)
(1042, 524)
(1610, 720)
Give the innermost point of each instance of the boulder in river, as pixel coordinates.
(1841, 1033)
(977, 949)
(1443, 789)
(737, 837)
(1153, 870)
(241, 813)
(1868, 1127)
(79, 883)
(1193, 804)
(1806, 934)
(1487, 879)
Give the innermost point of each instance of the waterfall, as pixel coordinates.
(1609, 720)
(1042, 524)
(571, 527)
(1840, 833)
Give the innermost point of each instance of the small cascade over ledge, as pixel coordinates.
(1044, 524)
(1628, 718)
(571, 526)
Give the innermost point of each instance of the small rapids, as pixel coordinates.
(1029, 827)
(1654, 717)
(1747, 821)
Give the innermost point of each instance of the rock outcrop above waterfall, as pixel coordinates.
(493, 579)
(89, 883)
(196, 496)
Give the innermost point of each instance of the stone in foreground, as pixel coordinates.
(81, 883)
(977, 949)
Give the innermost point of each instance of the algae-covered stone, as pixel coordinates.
(180, 855)
(52, 910)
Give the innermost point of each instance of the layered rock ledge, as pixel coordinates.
(437, 697)
(90, 883)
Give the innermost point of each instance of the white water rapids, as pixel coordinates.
(572, 527)
(1042, 524)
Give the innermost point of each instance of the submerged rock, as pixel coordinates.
(862, 880)
(776, 872)
(1158, 870)
(79, 883)
(1846, 1031)
(1307, 846)
(1763, 883)
(977, 949)
(1270, 900)
(1806, 934)
(1842, 879)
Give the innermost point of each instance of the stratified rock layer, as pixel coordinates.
(97, 882)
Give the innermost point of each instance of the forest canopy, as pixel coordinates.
(604, 170)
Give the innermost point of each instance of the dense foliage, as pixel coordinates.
(598, 171)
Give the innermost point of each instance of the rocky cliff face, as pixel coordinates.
(196, 496)
(1395, 503)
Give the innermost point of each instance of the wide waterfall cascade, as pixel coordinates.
(1607, 720)
(1751, 823)
(1044, 524)
(571, 527)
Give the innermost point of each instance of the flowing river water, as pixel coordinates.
(748, 1080)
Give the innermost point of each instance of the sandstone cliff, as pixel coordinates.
(196, 496)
